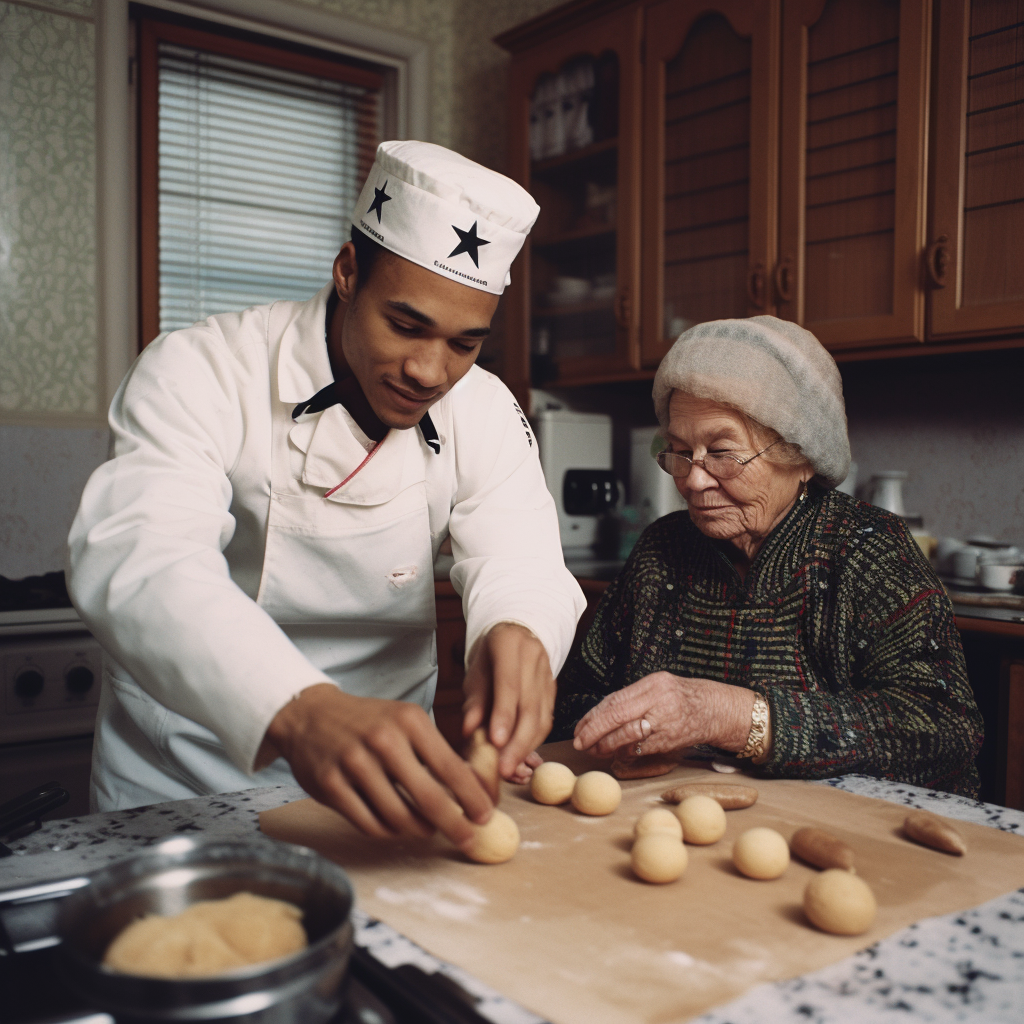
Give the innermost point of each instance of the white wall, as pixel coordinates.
(956, 425)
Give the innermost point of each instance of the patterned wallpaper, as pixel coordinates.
(48, 344)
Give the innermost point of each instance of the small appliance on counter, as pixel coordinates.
(651, 489)
(572, 446)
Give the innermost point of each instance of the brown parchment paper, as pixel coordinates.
(566, 930)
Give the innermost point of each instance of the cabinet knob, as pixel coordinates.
(936, 260)
(784, 278)
(756, 282)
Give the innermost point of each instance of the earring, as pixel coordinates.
(803, 490)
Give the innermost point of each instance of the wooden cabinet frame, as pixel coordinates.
(618, 31)
(949, 317)
(906, 323)
(667, 26)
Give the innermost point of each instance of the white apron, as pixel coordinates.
(348, 577)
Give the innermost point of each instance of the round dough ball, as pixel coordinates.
(495, 842)
(552, 783)
(760, 853)
(658, 858)
(703, 820)
(658, 821)
(836, 901)
(596, 793)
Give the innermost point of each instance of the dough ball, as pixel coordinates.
(760, 853)
(658, 821)
(658, 858)
(208, 938)
(495, 842)
(596, 793)
(552, 783)
(836, 901)
(483, 758)
(703, 820)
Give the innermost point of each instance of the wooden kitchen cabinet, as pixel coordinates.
(711, 114)
(451, 656)
(974, 259)
(1012, 735)
(853, 164)
(785, 167)
(588, 188)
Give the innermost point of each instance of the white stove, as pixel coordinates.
(50, 670)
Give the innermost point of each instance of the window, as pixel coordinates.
(250, 160)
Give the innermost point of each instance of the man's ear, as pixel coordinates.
(346, 272)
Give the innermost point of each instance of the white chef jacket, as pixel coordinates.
(223, 568)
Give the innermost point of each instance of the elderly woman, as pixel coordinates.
(778, 618)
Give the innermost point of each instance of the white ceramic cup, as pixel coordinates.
(965, 563)
(998, 577)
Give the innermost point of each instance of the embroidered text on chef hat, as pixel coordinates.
(446, 213)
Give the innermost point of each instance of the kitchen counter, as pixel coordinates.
(965, 966)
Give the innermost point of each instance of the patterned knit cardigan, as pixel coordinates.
(841, 624)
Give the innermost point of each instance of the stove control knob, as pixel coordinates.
(79, 679)
(28, 684)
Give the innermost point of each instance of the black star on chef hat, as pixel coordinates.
(468, 242)
(379, 199)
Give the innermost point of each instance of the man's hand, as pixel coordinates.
(510, 677)
(681, 712)
(380, 763)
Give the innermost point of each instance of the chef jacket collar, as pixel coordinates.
(327, 396)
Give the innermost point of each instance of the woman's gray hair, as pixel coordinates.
(774, 372)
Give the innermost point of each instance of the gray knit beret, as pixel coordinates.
(776, 372)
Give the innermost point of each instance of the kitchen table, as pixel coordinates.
(963, 966)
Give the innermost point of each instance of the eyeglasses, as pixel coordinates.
(720, 465)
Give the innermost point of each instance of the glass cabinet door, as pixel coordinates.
(852, 200)
(974, 264)
(577, 144)
(710, 193)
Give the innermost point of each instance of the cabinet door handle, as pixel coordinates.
(756, 286)
(784, 279)
(624, 309)
(936, 260)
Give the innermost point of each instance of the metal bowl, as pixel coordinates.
(307, 986)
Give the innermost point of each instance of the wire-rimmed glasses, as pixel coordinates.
(720, 465)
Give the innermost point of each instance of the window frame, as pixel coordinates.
(152, 32)
(404, 59)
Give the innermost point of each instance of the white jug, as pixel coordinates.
(887, 490)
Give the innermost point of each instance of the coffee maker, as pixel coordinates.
(651, 489)
(576, 456)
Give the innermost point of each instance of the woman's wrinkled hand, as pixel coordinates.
(682, 712)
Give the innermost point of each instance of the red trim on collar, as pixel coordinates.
(373, 451)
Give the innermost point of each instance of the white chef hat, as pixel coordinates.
(446, 213)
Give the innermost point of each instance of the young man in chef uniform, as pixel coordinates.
(256, 558)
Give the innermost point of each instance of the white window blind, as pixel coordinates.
(258, 170)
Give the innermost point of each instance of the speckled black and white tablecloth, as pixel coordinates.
(960, 967)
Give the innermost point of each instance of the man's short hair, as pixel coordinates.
(367, 253)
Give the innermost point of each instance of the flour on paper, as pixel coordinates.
(531, 844)
(453, 900)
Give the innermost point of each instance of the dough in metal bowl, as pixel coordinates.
(209, 938)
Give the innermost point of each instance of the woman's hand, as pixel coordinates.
(681, 712)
